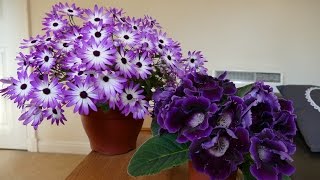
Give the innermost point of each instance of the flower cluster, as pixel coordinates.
(224, 128)
(110, 60)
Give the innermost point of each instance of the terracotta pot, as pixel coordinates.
(111, 132)
(195, 175)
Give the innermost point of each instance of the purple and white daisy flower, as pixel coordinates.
(33, 114)
(124, 63)
(33, 41)
(194, 61)
(96, 31)
(109, 83)
(23, 62)
(20, 89)
(171, 58)
(140, 110)
(54, 23)
(45, 60)
(47, 93)
(68, 10)
(64, 46)
(147, 42)
(163, 41)
(98, 55)
(82, 95)
(97, 15)
(130, 96)
(134, 23)
(72, 61)
(56, 115)
(143, 65)
(126, 36)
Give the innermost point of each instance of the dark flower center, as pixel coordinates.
(83, 94)
(124, 60)
(80, 73)
(54, 111)
(46, 91)
(129, 96)
(23, 86)
(105, 78)
(126, 37)
(41, 77)
(192, 60)
(46, 58)
(169, 57)
(160, 46)
(96, 53)
(135, 27)
(70, 10)
(79, 37)
(33, 41)
(65, 44)
(139, 64)
(48, 39)
(55, 24)
(97, 34)
(97, 19)
(161, 41)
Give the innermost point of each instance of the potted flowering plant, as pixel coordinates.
(222, 131)
(106, 68)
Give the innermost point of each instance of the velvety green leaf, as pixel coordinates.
(245, 168)
(154, 127)
(286, 178)
(242, 91)
(156, 154)
(104, 107)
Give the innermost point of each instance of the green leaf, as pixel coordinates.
(104, 107)
(242, 91)
(245, 168)
(157, 154)
(154, 127)
(286, 177)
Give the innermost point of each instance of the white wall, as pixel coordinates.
(263, 35)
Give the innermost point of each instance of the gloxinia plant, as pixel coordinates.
(220, 129)
(107, 61)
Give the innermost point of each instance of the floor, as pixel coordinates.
(22, 165)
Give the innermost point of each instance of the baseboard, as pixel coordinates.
(71, 147)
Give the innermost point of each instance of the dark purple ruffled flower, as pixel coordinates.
(220, 154)
(271, 156)
(263, 94)
(189, 116)
(231, 115)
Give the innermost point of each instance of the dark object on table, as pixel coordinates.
(306, 101)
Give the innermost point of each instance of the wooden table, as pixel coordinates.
(97, 166)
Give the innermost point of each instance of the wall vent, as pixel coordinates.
(242, 78)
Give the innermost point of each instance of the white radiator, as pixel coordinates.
(242, 78)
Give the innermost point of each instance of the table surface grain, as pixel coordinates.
(97, 166)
